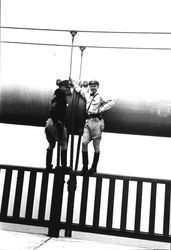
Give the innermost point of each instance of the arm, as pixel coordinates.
(106, 104)
(80, 88)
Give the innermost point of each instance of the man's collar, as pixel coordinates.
(93, 94)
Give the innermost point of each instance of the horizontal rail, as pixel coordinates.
(117, 232)
(44, 188)
(97, 175)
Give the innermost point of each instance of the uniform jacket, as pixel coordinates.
(94, 104)
(58, 106)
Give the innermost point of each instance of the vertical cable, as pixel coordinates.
(82, 48)
(73, 33)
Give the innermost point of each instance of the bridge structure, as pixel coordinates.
(60, 201)
(56, 201)
(100, 203)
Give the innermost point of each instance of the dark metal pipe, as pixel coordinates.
(28, 107)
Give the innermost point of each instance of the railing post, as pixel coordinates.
(138, 208)
(56, 205)
(72, 184)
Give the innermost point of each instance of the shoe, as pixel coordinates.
(49, 154)
(49, 167)
(85, 162)
(92, 170)
(66, 169)
(84, 170)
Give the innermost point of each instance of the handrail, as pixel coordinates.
(99, 175)
(42, 177)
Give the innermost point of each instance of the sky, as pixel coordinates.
(129, 74)
(123, 73)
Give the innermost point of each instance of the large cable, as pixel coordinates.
(89, 46)
(90, 31)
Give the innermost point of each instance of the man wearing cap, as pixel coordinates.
(96, 104)
(55, 129)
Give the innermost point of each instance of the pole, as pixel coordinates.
(82, 48)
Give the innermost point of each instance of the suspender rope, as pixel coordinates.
(82, 48)
(73, 33)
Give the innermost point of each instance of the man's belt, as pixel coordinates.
(89, 116)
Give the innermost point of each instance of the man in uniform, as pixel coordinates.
(96, 104)
(55, 129)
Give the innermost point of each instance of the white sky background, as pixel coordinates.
(129, 74)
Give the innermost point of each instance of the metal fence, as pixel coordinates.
(103, 204)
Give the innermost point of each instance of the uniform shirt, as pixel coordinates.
(58, 106)
(94, 104)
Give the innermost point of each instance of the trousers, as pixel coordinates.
(93, 130)
(55, 134)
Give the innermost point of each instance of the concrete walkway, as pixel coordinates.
(11, 240)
